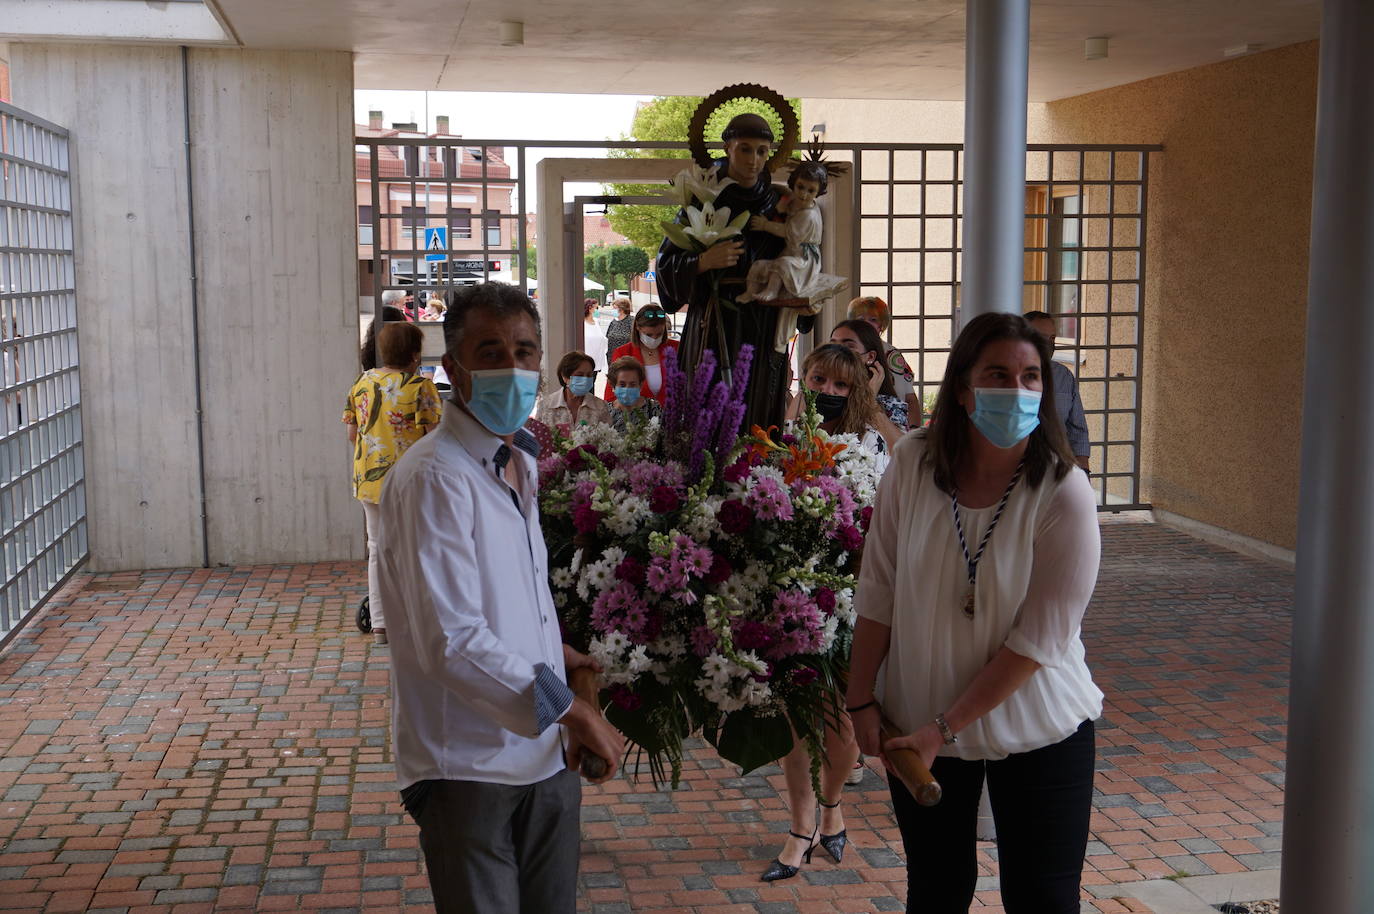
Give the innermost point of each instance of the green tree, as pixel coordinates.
(597, 267)
(665, 119)
(531, 262)
(614, 266)
(626, 261)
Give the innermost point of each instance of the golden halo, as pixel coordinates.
(696, 129)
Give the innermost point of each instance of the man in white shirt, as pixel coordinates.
(478, 667)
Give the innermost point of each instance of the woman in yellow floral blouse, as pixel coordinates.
(388, 410)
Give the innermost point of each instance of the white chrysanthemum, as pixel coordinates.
(844, 606)
(638, 659)
(755, 576)
(828, 631)
(560, 600)
(561, 578)
(749, 662)
(757, 693)
(717, 668)
(673, 647)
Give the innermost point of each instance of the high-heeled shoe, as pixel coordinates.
(779, 870)
(834, 844)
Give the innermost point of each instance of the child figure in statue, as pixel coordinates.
(686, 279)
(795, 278)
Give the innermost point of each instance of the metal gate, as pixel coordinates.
(1084, 252)
(1084, 265)
(42, 475)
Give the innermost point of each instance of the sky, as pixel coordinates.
(511, 116)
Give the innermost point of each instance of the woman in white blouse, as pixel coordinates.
(980, 562)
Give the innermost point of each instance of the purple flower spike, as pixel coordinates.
(701, 387)
(707, 425)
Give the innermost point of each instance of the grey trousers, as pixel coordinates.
(494, 849)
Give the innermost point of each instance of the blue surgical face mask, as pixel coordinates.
(1005, 415)
(627, 395)
(580, 385)
(502, 398)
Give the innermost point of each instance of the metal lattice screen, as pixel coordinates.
(42, 476)
(1084, 264)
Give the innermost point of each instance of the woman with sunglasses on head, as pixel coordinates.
(980, 561)
(647, 346)
(573, 403)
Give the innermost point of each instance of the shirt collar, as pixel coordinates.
(477, 439)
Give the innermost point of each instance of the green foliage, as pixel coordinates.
(615, 265)
(666, 119)
(532, 263)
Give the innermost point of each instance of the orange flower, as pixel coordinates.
(805, 464)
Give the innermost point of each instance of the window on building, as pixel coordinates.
(1064, 241)
(412, 218)
(491, 223)
(460, 222)
(365, 225)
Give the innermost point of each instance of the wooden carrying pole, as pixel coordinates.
(911, 771)
(585, 685)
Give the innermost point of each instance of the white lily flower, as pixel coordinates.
(708, 225)
(697, 183)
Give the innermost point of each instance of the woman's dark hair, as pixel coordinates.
(840, 362)
(810, 171)
(570, 363)
(367, 355)
(872, 342)
(947, 439)
(399, 344)
(588, 306)
(498, 298)
(747, 127)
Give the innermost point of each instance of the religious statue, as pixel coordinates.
(704, 263)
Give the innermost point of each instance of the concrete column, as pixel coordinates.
(998, 32)
(1329, 805)
(276, 281)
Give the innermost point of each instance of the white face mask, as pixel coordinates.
(649, 342)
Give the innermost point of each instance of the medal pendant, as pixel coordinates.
(968, 605)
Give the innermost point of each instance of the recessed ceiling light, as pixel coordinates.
(512, 33)
(1095, 48)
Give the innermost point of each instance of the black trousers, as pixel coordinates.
(1041, 804)
(497, 849)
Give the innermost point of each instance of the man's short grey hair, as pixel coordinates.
(497, 298)
(393, 297)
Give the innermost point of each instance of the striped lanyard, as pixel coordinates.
(972, 561)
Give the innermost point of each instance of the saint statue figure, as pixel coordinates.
(708, 283)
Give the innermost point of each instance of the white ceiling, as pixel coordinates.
(912, 49)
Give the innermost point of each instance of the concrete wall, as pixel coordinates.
(1226, 279)
(274, 224)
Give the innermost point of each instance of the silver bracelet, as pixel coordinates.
(946, 733)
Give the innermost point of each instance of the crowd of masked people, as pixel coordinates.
(978, 567)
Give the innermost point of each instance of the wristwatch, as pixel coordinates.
(946, 733)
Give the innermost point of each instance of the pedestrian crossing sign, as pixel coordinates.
(436, 244)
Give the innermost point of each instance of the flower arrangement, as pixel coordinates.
(709, 574)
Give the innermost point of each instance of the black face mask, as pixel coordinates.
(830, 406)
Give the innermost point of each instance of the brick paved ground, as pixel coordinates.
(180, 741)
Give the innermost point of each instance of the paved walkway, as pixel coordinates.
(198, 740)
